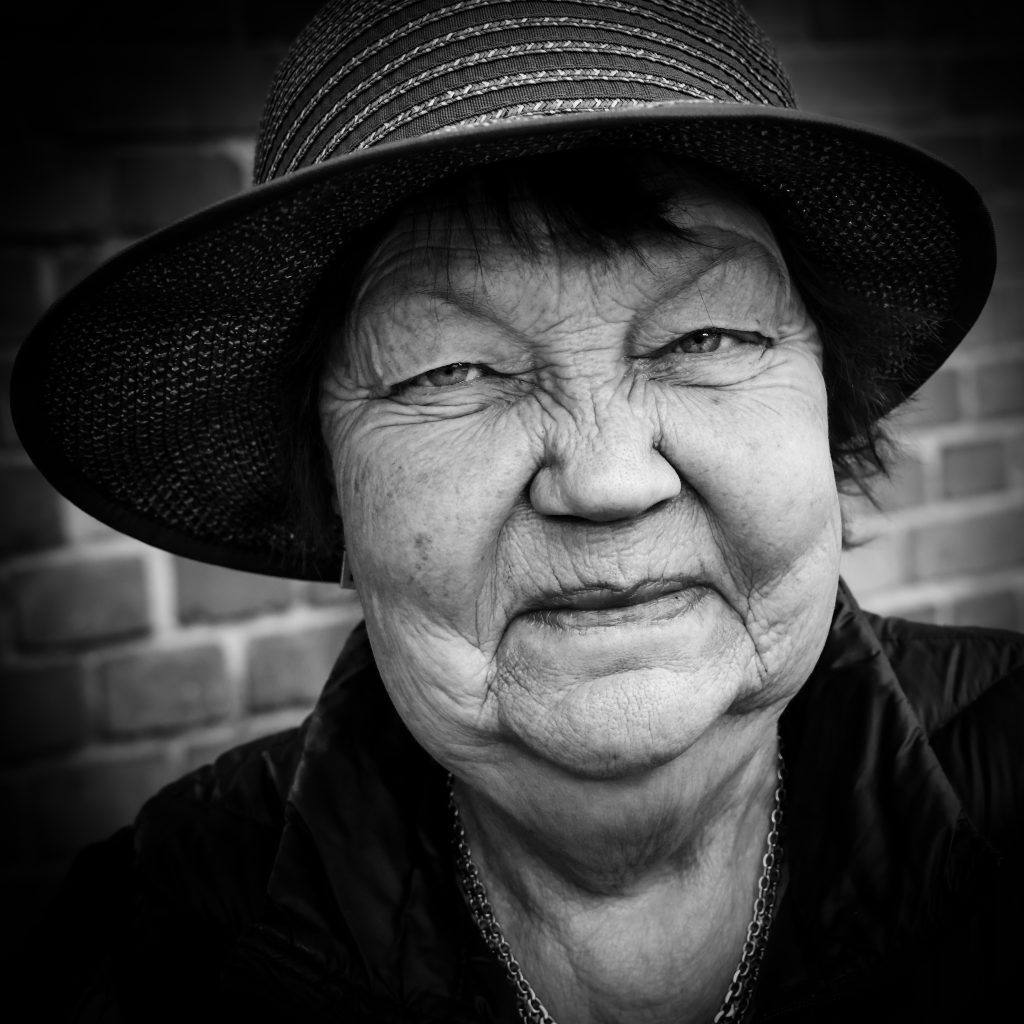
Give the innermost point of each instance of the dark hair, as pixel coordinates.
(571, 192)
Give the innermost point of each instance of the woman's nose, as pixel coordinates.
(604, 473)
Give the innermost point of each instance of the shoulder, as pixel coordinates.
(247, 783)
(148, 921)
(208, 825)
(966, 686)
(210, 837)
(157, 907)
(948, 672)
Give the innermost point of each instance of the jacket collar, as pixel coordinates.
(364, 879)
(876, 842)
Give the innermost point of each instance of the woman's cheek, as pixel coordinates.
(415, 511)
(763, 472)
(390, 522)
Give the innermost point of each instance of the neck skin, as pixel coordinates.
(630, 901)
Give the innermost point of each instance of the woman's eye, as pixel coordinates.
(443, 376)
(711, 339)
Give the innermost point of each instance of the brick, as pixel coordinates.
(1001, 389)
(878, 565)
(162, 690)
(29, 510)
(209, 593)
(82, 603)
(1015, 460)
(997, 611)
(42, 709)
(904, 487)
(291, 668)
(69, 806)
(155, 190)
(50, 194)
(937, 401)
(976, 468)
(21, 296)
(976, 544)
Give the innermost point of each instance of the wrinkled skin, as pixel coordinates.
(596, 542)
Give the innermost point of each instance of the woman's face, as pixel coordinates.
(588, 500)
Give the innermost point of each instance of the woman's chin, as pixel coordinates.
(620, 728)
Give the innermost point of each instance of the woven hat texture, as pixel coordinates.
(149, 394)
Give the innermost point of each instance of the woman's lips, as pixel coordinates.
(648, 601)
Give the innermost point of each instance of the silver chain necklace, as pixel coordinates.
(744, 979)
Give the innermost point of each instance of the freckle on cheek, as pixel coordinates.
(423, 543)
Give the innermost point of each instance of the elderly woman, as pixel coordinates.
(573, 328)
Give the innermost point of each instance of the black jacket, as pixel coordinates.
(309, 877)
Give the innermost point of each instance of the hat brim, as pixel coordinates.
(148, 395)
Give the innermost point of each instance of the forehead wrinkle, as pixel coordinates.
(414, 312)
(417, 268)
(746, 279)
(537, 285)
(430, 259)
(716, 247)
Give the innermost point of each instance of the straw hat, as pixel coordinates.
(149, 394)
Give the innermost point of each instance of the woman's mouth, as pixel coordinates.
(601, 605)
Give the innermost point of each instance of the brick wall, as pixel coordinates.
(123, 666)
